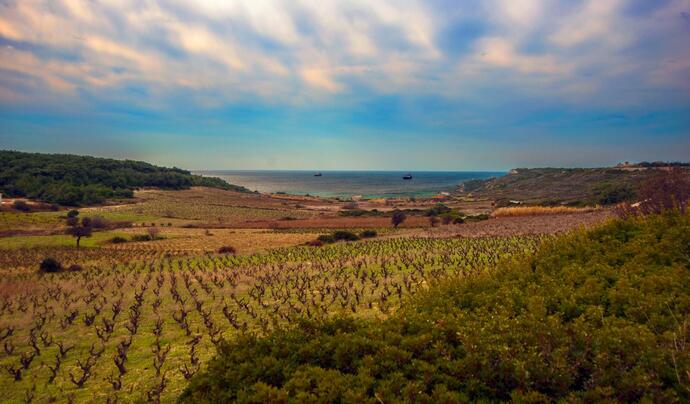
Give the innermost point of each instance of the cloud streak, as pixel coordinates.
(468, 58)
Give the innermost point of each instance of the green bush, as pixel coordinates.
(227, 249)
(50, 265)
(596, 316)
(368, 234)
(437, 210)
(479, 217)
(326, 239)
(345, 235)
(398, 217)
(353, 213)
(118, 240)
(141, 237)
(21, 206)
(611, 194)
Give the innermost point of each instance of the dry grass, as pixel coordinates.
(201, 240)
(540, 210)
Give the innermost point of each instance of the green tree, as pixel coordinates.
(398, 217)
(78, 229)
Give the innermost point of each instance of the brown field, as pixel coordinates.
(513, 226)
(245, 241)
(335, 222)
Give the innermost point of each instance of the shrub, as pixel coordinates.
(437, 210)
(368, 234)
(479, 217)
(353, 213)
(596, 316)
(326, 239)
(141, 237)
(227, 250)
(87, 222)
(345, 235)
(73, 213)
(21, 206)
(666, 190)
(118, 240)
(611, 195)
(433, 221)
(398, 217)
(98, 222)
(50, 265)
(314, 243)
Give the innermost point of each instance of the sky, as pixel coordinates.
(357, 84)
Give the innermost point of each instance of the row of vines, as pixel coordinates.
(135, 328)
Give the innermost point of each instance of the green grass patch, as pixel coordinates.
(59, 240)
(17, 220)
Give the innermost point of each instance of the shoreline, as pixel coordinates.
(350, 185)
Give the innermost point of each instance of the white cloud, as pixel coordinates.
(285, 51)
(320, 78)
(596, 20)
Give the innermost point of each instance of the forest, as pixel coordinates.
(83, 180)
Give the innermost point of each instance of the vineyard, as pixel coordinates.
(137, 325)
(209, 206)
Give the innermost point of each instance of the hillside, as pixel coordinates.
(593, 316)
(83, 180)
(572, 186)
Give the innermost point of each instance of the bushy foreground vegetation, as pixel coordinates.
(593, 316)
(83, 180)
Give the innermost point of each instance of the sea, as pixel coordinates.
(348, 184)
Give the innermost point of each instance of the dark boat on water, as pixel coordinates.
(317, 175)
(407, 177)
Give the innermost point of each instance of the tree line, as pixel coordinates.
(83, 180)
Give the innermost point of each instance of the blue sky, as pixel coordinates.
(401, 84)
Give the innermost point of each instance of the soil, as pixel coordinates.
(514, 226)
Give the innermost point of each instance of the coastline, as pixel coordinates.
(350, 184)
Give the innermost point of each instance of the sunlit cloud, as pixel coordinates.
(94, 56)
